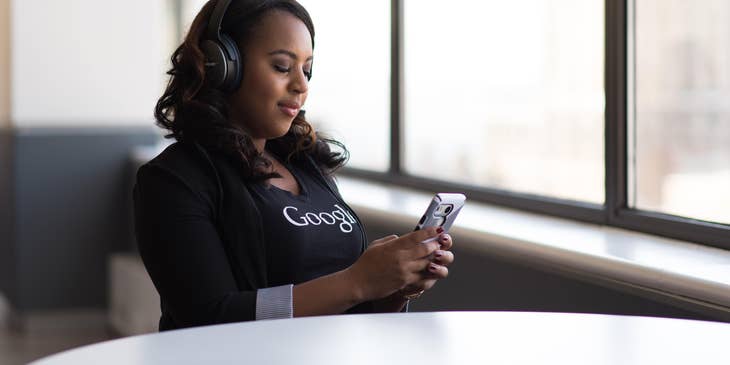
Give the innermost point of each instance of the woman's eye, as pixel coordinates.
(281, 68)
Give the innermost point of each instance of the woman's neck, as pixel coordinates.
(260, 144)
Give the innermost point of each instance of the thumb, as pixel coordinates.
(383, 240)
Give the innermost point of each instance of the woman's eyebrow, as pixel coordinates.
(288, 53)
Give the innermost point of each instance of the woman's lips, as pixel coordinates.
(289, 110)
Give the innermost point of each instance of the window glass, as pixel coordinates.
(349, 95)
(507, 94)
(681, 148)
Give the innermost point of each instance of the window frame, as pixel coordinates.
(615, 211)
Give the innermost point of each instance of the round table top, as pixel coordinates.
(420, 338)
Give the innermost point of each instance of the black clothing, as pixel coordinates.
(202, 238)
(307, 235)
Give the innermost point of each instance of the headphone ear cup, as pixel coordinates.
(216, 65)
(234, 69)
(222, 64)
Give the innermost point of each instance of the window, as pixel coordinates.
(681, 121)
(609, 112)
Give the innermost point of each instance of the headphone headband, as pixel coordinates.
(216, 20)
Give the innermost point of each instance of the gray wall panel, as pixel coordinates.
(72, 203)
(7, 248)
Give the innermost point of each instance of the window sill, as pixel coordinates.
(686, 274)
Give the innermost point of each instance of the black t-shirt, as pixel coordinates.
(308, 235)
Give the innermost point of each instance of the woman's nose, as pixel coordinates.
(299, 83)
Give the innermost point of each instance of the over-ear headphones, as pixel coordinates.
(223, 68)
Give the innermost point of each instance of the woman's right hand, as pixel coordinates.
(392, 263)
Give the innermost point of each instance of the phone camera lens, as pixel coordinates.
(448, 209)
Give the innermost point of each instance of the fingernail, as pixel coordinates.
(432, 267)
(443, 238)
(440, 230)
(439, 253)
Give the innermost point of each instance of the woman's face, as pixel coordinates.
(276, 62)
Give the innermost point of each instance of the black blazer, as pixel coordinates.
(200, 236)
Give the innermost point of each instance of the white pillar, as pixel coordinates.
(5, 86)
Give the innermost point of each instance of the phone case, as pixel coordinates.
(442, 211)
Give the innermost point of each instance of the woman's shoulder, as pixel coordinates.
(181, 157)
(179, 154)
(189, 163)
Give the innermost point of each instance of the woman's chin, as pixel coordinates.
(280, 132)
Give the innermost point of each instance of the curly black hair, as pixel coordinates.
(193, 112)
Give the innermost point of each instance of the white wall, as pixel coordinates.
(4, 64)
(87, 62)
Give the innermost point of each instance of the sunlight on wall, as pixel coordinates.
(87, 62)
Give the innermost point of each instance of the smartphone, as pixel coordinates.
(442, 211)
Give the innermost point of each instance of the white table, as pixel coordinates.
(424, 338)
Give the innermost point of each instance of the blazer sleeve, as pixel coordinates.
(183, 253)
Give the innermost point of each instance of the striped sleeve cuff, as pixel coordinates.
(274, 302)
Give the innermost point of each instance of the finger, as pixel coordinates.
(419, 266)
(427, 284)
(437, 270)
(444, 258)
(418, 285)
(412, 288)
(423, 250)
(445, 241)
(421, 235)
(389, 238)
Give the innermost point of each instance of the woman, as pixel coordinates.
(240, 219)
